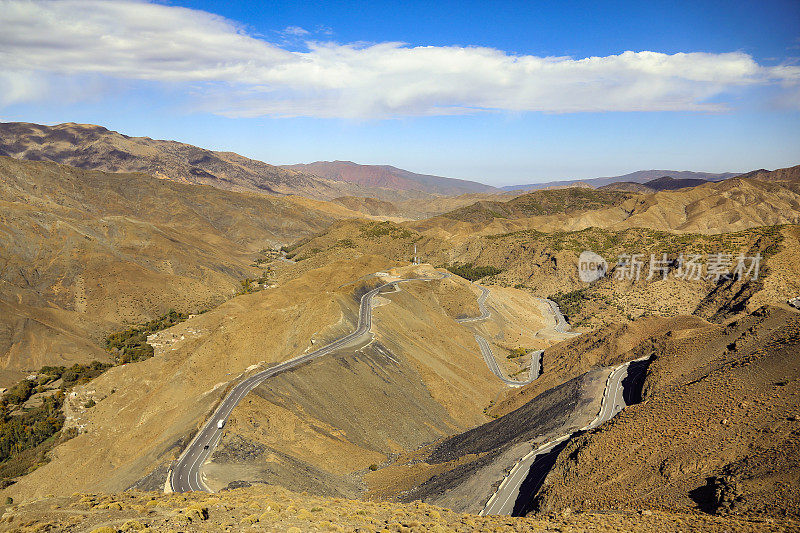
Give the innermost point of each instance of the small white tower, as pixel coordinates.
(415, 255)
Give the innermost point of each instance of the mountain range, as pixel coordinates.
(464, 368)
(95, 147)
(640, 176)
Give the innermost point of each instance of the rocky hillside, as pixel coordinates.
(274, 509)
(730, 205)
(94, 147)
(370, 206)
(547, 264)
(83, 252)
(717, 430)
(559, 201)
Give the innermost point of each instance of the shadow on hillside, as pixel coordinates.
(535, 479)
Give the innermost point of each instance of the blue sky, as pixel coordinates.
(504, 93)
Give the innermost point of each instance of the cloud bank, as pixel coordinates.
(226, 70)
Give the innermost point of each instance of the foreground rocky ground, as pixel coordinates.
(268, 508)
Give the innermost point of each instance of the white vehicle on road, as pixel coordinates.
(221, 424)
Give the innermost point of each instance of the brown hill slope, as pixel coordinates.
(320, 427)
(664, 183)
(316, 428)
(731, 205)
(83, 252)
(388, 177)
(567, 201)
(717, 430)
(146, 412)
(370, 206)
(97, 148)
(275, 509)
(547, 264)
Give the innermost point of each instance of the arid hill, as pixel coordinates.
(640, 176)
(97, 148)
(388, 177)
(730, 205)
(275, 509)
(94, 147)
(370, 206)
(717, 430)
(558, 201)
(317, 428)
(664, 183)
(547, 264)
(84, 252)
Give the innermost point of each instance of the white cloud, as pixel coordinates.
(296, 31)
(245, 76)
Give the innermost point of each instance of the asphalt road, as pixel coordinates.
(528, 474)
(185, 475)
(491, 362)
(481, 306)
(562, 326)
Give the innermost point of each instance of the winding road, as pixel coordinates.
(185, 475)
(486, 349)
(562, 326)
(530, 472)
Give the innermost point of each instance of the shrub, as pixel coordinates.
(345, 243)
(471, 272)
(28, 430)
(130, 345)
(20, 392)
(570, 303)
(517, 352)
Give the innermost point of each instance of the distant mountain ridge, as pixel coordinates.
(640, 176)
(665, 183)
(93, 147)
(760, 198)
(389, 177)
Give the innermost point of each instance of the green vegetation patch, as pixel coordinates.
(517, 352)
(569, 200)
(248, 285)
(28, 430)
(571, 302)
(471, 272)
(382, 229)
(26, 435)
(130, 345)
(344, 243)
(291, 250)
